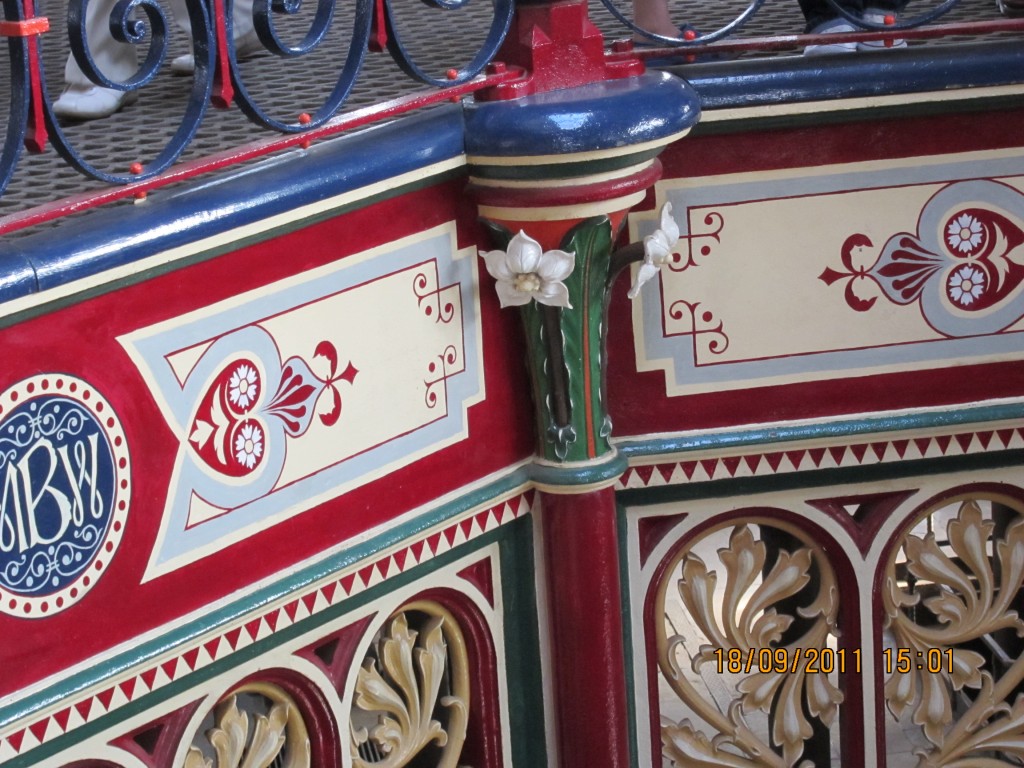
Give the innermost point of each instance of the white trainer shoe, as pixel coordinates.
(832, 27)
(246, 46)
(90, 102)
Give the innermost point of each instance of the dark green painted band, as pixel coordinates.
(604, 469)
(561, 170)
(971, 415)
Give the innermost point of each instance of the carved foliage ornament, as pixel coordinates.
(414, 683)
(970, 594)
(247, 738)
(751, 617)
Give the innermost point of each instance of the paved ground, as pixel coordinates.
(288, 87)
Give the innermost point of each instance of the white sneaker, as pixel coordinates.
(877, 16)
(89, 102)
(832, 27)
(246, 46)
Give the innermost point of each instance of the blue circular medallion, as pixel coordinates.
(63, 491)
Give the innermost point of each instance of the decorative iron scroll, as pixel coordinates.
(412, 692)
(779, 602)
(259, 725)
(953, 656)
(145, 24)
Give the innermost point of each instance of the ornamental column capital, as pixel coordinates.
(554, 176)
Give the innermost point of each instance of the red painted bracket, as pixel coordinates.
(25, 27)
(223, 91)
(29, 28)
(559, 47)
(379, 30)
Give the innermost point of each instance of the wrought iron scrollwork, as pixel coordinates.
(145, 24)
(412, 691)
(257, 726)
(776, 613)
(952, 661)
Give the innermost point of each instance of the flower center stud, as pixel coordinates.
(528, 283)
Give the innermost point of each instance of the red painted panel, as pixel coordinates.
(81, 339)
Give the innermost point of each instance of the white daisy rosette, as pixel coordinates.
(966, 285)
(964, 233)
(658, 249)
(526, 272)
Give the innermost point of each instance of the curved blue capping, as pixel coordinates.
(124, 234)
(785, 79)
(604, 115)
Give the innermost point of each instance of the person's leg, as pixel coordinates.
(82, 99)
(653, 16)
(246, 41)
(819, 12)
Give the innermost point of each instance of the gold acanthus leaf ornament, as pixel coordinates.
(748, 620)
(971, 598)
(235, 748)
(403, 688)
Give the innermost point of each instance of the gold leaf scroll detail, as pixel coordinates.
(973, 600)
(402, 685)
(749, 620)
(235, 747)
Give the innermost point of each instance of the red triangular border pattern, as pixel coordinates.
(254, 628)
(803, 459)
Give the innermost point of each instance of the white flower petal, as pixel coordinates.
(524, 254)
(668, 225)
(646, 272)
(556, 266)
(497, 265)
(554, 295)
(509, 296)
(657, 248)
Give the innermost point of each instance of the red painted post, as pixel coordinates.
(585, 615)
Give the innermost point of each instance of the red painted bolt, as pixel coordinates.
(496, 68)
(890, 20)
(305, 119)
(689, 35)
(452, 74)
(135, 169)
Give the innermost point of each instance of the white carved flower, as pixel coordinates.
(964, 233)
(249, 445)
(658, 249)
(526, 271)
(242, 386)
(966, 284)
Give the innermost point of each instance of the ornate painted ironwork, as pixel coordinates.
(778, 609)
(257, 726)
(31, 119)
(951, 605)
(412, 691)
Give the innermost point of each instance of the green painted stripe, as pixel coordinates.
(179, 638)
(522, 646)
(563, 170)
(977, 416)
(605, 468)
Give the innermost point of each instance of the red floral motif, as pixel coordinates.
(223, 433)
